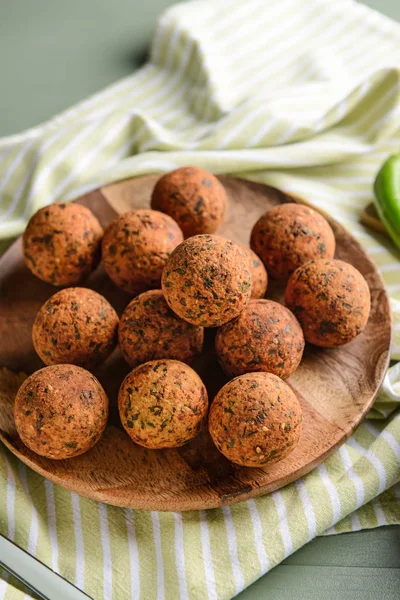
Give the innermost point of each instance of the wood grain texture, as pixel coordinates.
(336, 387)
(351, 566)
(370, 218)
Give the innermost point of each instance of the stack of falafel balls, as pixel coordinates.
(183, 278)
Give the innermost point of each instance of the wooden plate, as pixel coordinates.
(336, 387)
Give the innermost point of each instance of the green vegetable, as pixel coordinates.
(387, 196)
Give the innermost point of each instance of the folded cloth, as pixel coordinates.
(298, 94)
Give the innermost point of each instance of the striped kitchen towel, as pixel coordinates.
(298, 94)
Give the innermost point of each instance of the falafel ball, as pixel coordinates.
(193, 197)
(162, 404)
(149, 330)
(207, 280)
(76, 326)
(266, 336)
(61, 243)
(259, 276)
(60, 411)
(331, 300)
(136, 246)
(288, 236)
(255, 419)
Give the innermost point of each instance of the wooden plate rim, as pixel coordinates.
(170, 503)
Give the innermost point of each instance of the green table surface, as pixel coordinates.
(53, 54)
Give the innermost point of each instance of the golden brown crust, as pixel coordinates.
(289, 235)
(193, 197)
(76, 326)
(61, 243)
(149, 330)
(255, 419)
(264, 337)
(259, 276)
(331, 300)
(162, 404)
(207, 280)
(60, 411)
(136, 246)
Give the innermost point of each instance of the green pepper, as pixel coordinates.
(387, 196)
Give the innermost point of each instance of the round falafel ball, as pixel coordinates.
(290, 235)
(207, 280)
(60, 411)
(259, 276)
(136, 246)
(193, 197)
(149, 330)
(76, 326)
(266, 336)
(331, 300)
(255, 419)
(162, 404)
(61, 243)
